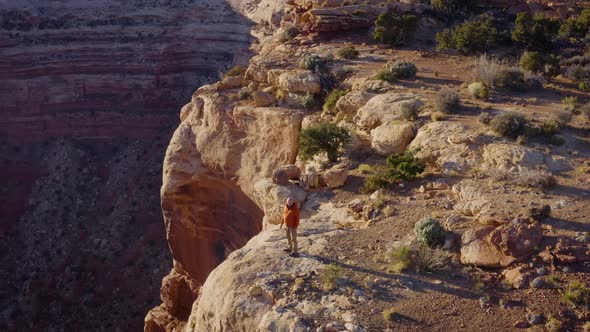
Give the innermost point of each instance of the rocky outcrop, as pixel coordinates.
(500, 246)
(450, 145)
(392, 137)
(271, 198)
(384, 108)
(513, 158)
(244, 293)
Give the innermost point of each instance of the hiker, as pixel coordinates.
(291, 220)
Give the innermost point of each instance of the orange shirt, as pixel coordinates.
(291, 216)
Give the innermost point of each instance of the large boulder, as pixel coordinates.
(262, 99)
(392, 137)
(500, 246)
(336, 176)
(349, 104)
(271, 199)
(339, 18)
(300, 81)
(450, 145)
(384, 108)
(283, 174)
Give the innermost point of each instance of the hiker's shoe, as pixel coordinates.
(294, 254)
(287, 250)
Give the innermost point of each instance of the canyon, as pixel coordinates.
(88, 102)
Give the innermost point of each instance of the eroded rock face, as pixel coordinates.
(451, 145)
(500, 246)
(271, 198)
(384, 108)
(300, 81)
(517, 158)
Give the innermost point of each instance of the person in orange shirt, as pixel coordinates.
(291, 220)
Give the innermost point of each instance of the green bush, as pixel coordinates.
(311, 62)
(333, 98)
(329, 276)
(447, 101)
(475, 36)
(577, 293)
(479, 90)
(400, 69)
(235, 71)
(349, 52)
(551, 67)
(584, 85)
(375, 182)
(578, 72)
(570, 103)
(401, 259)
(409, 111)
(394, 29)
(324, 137)
(508, 124)
(404, 166)
(510, 79)
(534, 33)
(585, 110)
(448, 8)
(429, 231)
(289, 33)
(577, 28)
(550, 127)
(532, 61)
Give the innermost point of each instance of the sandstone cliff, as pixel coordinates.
(89, 100)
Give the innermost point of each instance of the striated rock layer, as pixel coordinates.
(89, 99)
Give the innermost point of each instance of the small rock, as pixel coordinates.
(255, 290)
(535, 319)
(543, 271)
(567, 269)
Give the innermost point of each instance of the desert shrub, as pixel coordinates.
(550, 127)
(510, 79)
(486, 69)
(570, 103)
(551, 66)
(473, 36)
(332, 99)
(485, 118)
(576, 293)
(584, 85)
(581, 60)
(365, 169)
(289, 33)
(428, 259)
(540, 214)
(553, 324)
(534, 179)
(448, 8)
(400, 69)
(438, 116)
(340, 72)
(244, 93)
(404, 166)
(564, 117)
(409, 111)
(508, 124)
(311, 62)
(535, 33)
(375, 182)
(533, 81)
(329, 276)
(401, 259)
(479, 90)
(349, 52)
(578, 72)
(235, 71)
(577, 28)
(324, 137)
(447, 101)
(394, 29)
(403, 69)
(429, 231)
(532, 61)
